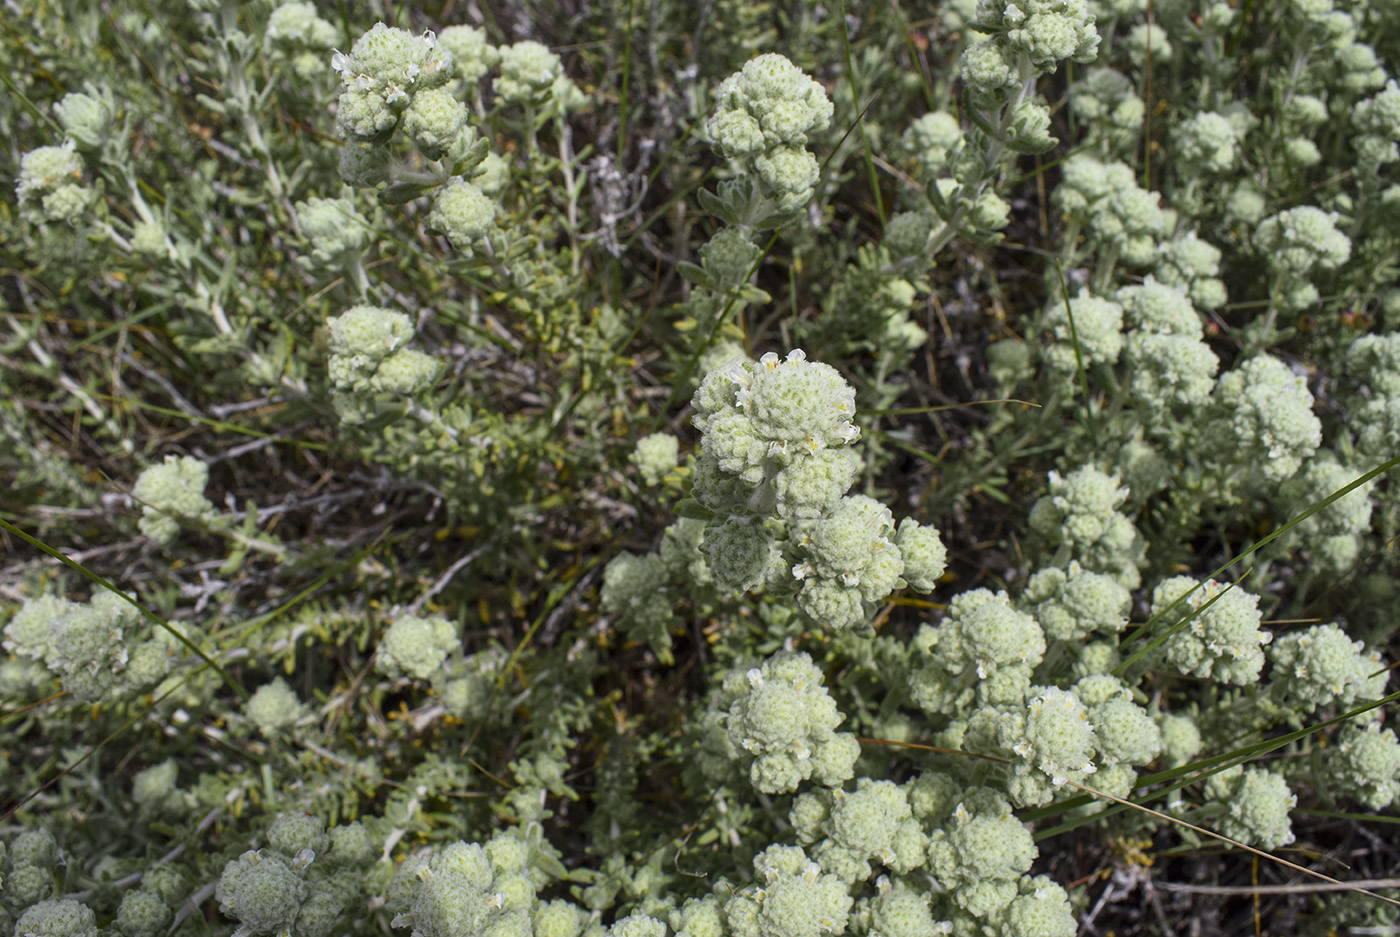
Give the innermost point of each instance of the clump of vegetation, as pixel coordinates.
(583, 473)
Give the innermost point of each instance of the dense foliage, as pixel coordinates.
(733, 469)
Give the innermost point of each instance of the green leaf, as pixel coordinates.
(718, 207)
(689, 507)
(697, 275)
(403, 192)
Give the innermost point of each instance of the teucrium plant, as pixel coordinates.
(1187, 338)
(773, 469)
(392, 81)
(785, 720)
(170, 493)
(368, 364)
(762, 118)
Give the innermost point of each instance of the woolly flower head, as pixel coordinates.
(298, 836)
(636, 591)
(1332, 534)
(784, 717)
(143, 913)
(334, 227)
(985, 633)
(527, 69)
(1193, 264)
(1264, 416)
(1041, 908)
(792, 403)
(273, 708)
(463, 213)
(297, 25)
(792, 897)
(1375, 359)
(471, 53)
(1223, 641)
(900, 910)
(743, 555)
(1094, 323)
(465, 889)
(768, 103)
(62, 918)
(1366, 764)
(933, 139)
(1299, 240)
(262, 891)
(1124, 732)
(982, 842)
(367, 359)
(1154, 306)
(417, 646)
(1081, 511)
(87, 118)
(1256, 804)
(50, 186)
(853, 558)
(1170, 374)
(925, 556)
(1208, 142)
(1080, 507)
(788, 175)
(1046, 31)
(729, 257)
(437, 122)
(852, 544)
(363, 165)
(656, 456)
(1059, 738)
(774, 433)
(1377, 425)
(874, 822)
(32, 631)
(989, 66)
(1377, 120)
(1320, 666)
(1114, 210)
(1071, 605)
(172, 491)
(368, 334)
(1181, 739)
(393, 64)
(1108, 97)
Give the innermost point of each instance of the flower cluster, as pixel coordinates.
(1221, 640)
(1080, 513)
(848, 832)
(368, 364)
(299, 36)
(1299, 243)
(785, 720)
(468, 888)
(776, 437)
(1261, 416)
(393, 80)
(1253, 806)
(381, 79)
(792, 897)
(299, 883)
(762, 117)
(334, 228)
(1122, 219)
(99, 649)
(51, 187)
(171, 493)
(417, 647)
